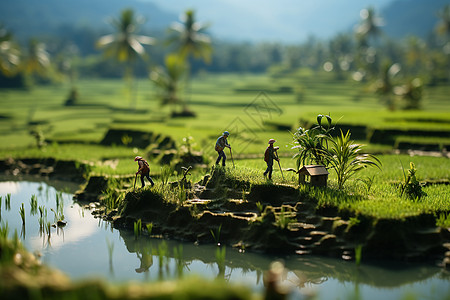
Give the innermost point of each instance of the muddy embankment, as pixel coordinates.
(277, 219)
(266, 218)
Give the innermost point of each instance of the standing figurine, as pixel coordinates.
(220, 145)
(269, 156)
(144, 170)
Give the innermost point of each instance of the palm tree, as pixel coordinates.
(168, 80)
(443, 27)
(124, 45)
(37, 60)
(190, 40)
(368, 29)
(9, 53)
(345, 158)
(384, 85)
(369, 26)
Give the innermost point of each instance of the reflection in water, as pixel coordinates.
(89, 247)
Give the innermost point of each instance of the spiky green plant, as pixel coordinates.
(345, 158)
(22, 214)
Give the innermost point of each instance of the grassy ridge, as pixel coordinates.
(252, 107)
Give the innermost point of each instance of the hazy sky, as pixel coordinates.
(281, 20)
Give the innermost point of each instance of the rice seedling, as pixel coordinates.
(149, 227)
(284, 218)
(137, 228)
(4, 231)
(216, 235)
(22, 214)
(162, 258)
(42, 217)
(110, 246)
(59, 203)
(48, 230)
(166, 172)
(111, 199)
(220, 260)
(33, 204)
(58, 216)
(181, 194)
(260, 207)
(8, 201)
(358, 254)
(178, 255)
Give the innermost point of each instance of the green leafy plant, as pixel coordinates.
(346, 159)
(411, 187)
(311, 143)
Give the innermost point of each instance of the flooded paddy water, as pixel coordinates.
(88, 247)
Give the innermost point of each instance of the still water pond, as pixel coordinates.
(89, 247)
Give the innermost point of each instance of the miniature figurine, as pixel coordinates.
(220, 145)
(144, 170)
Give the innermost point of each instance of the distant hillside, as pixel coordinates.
(283, 21)
(411, 17)
(28, 18)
